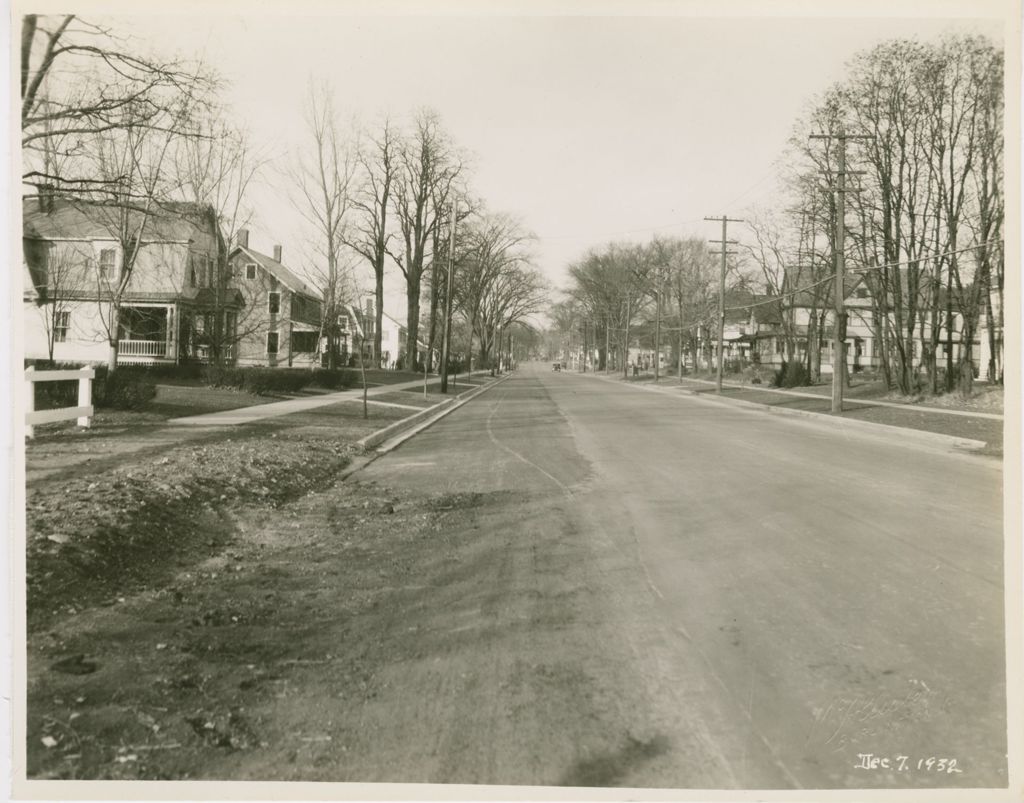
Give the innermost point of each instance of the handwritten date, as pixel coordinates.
(900, 763)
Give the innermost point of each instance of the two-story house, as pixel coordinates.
(81, 293)
(280, 325)
(864, 326)
(357, 329)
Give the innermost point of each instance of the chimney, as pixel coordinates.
(277, 253)
(242, 238)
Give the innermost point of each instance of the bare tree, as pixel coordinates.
(369, 235)
(971, 76)
(322, 179)
(492, 245)
(428, 169)
(515, 294)
(133, 188)
(692, 280)
(215, 166)
(80, 80)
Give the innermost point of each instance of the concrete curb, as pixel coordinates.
(838, 422)
(406, 428)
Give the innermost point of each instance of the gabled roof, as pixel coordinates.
(768, 309)
(276, 269)
(74, 219)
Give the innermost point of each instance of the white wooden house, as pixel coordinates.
(73, 265)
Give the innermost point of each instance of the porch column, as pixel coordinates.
(172, 341)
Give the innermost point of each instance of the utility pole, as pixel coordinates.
(839, 327)
(657, 325)
(725, 242)
(446, 335)
(607, 326)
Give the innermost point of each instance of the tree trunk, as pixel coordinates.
(813, 348)
(114, 337)
(362, 374)
(949, 328)
(679, 364)
(965, 365)
(657, 336)
(413, 324)
(378, 322)
(625, 341)
(990, 370)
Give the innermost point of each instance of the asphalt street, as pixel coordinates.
(750, 601)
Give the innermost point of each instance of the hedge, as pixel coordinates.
(129, 388)
(263, 381)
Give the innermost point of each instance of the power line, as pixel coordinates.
(774, 298)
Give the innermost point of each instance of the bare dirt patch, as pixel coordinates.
(356, 634)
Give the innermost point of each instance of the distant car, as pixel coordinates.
(556, 366)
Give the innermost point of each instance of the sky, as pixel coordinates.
(588, 128)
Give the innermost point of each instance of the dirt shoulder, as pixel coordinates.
(359, 633)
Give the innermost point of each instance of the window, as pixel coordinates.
(343, 323)
(61, 324)
(304, 342)
(274, 303)
(385, 335)
(271, 342)
(250, 270)
(107, 257)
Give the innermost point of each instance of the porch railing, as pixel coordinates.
(142, 348)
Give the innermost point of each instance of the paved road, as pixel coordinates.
(745, 601)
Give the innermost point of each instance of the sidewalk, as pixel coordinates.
(966, 425)
(826, 393)
(246, 415)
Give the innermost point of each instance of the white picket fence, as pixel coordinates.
(83, 412)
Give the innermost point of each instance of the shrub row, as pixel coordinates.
(127, 389)
(262, 381)
(132, 386)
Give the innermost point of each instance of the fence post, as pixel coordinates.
(85, 394)
(30, 398)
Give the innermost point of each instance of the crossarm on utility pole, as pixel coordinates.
(721, 291)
